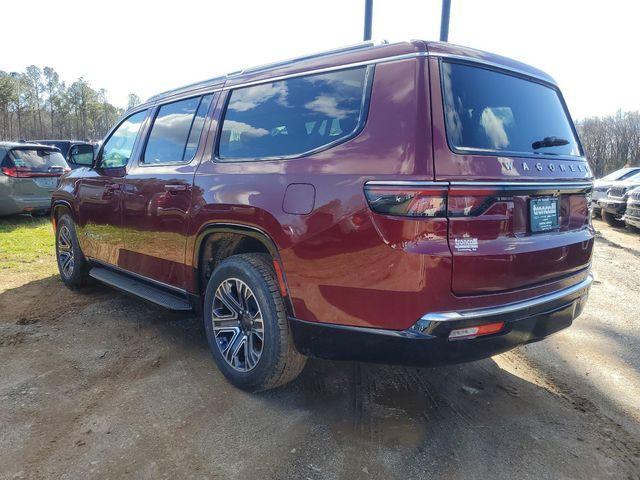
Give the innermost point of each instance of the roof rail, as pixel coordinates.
(265, 67)
(324, 53)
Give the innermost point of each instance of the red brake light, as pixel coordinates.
(10, 171)
(407, 202)
(26, 172)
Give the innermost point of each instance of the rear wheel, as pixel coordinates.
(73, 267)
(612, 220)
(247, 327)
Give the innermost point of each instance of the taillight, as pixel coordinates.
(26, 172)
(10, 171)
(470, 202)
(408, 202)
(434, 201)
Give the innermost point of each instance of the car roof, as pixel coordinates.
(10, 145)
(359, 54)
(79, 142)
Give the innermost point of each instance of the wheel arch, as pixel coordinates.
(217, 241)
(57, 207)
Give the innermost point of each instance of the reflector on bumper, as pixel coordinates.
(473, 332)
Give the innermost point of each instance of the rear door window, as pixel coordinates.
(489, 111)
(293, 117)
(176, 131)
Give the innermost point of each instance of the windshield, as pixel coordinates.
(490, 111)
(43, 161)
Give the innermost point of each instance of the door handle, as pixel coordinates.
(178, 187)
(112, 186)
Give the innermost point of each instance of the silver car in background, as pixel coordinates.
(602, 185)
(28, 175)
(632, 214)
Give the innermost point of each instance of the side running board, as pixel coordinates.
(141, 289)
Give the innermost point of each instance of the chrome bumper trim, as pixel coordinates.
(508, 308)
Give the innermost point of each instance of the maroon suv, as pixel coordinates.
(411, 203)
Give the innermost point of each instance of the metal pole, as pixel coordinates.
(444, 21)
(368, 12)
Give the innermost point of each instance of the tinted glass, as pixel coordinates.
(292, 116)
(82, 154)
(490, 111)
(38, 160)
(196, 128)
(117, 150)
(634, 174)
(176, 131)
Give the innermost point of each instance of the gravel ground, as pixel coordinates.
(100, 385)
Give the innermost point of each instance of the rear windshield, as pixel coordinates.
(38, 160)
(488, 111)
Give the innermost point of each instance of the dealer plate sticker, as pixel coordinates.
(543, 213)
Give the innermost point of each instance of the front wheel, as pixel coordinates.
(247, 326)
(73, 267)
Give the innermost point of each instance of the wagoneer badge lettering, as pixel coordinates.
(509, 167)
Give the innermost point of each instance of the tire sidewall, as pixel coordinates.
(76, 277)
(271, 350)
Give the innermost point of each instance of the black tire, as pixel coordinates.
(74, 270)
(612, 220)
(278, 362)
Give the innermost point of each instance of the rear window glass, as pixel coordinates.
(176, 130)
(490, 111)
(38, 160)
(294, 116)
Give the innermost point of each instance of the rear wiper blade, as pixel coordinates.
(549, 142)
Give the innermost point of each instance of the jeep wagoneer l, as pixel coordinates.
(412, 203)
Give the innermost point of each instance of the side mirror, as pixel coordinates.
(82, 155)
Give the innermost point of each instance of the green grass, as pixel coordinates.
(26, 244)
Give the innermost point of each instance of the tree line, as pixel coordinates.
(611, 142)
(36, 104)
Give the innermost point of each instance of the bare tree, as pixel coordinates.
(611, 142)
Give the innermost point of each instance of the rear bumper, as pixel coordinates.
(12, 205)
(427, 342)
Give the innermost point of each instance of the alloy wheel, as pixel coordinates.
(237, 324)
(65, 251)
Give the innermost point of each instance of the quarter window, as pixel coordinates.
(176, 131)
(292, 117)
(117, 150)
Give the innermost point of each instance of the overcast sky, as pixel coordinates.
(589, 47)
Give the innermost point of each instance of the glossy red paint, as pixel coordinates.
(343, 263)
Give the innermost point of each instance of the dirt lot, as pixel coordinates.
(99, 385)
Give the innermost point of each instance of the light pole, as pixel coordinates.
(368, 12)
(444, 21)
